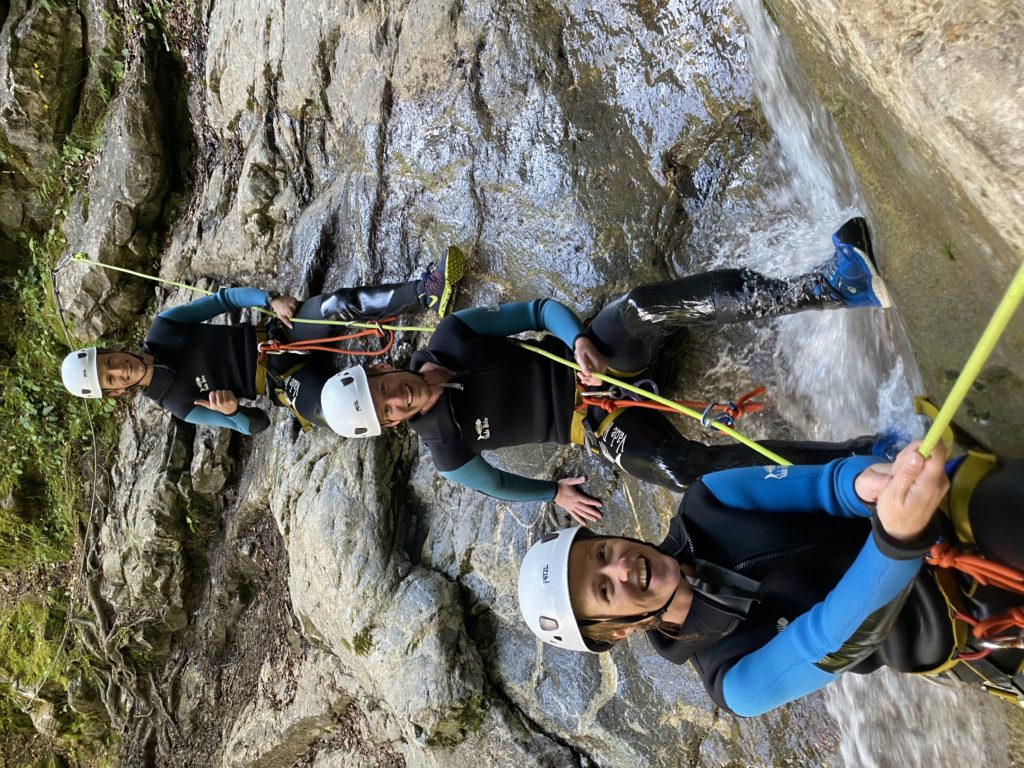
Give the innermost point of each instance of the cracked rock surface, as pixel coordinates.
(321, 602)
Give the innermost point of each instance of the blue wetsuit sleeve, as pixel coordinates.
(537, 315)
(208, 307)
(238, 421)
(481, 476)
(785, 668)
(825, 488)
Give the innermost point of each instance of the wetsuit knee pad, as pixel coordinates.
(995, 513)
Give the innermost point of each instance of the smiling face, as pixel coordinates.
(398, 395)
(614, 578)
(119, 371)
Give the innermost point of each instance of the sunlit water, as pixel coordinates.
(846, 373)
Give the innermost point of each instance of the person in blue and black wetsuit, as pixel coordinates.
(772, 581)
(200, 372)
(473, 389)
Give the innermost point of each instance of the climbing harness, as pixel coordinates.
(669, 405)
(614, 400)
(275, 346)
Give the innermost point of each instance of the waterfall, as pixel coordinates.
(841, 374)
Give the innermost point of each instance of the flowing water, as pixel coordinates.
(845, 373)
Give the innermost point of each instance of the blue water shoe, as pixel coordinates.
(851, 274)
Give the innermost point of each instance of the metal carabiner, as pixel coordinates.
(1006, 641)
(710, 417)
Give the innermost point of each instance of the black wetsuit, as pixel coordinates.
(193, 357)
(506, 396)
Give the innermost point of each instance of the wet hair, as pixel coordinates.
(604, 631)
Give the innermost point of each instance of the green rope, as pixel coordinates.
(664, 401)
(1000, 319)
(82, 257)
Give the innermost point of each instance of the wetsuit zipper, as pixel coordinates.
(799, 549)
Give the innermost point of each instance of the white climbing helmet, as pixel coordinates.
(81, 374)
(544, 591)
(347, 406)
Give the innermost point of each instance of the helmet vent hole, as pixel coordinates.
(346, 381)
(360, 430)
(557, 638)
(548, 624)
(548, 537)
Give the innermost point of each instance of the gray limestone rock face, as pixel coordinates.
(114, 219)
(535, 136)
(574, 151)
(403, 637)
(212, 462)
(41, 66)
(290, 710)
(927, 99)
(142, 537)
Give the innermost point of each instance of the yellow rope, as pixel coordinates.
(346, 323)
(1000, 319)
(664, 401)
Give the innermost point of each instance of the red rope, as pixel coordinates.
(321, 345)
(985, 572)
(978, 568)
(740, 407)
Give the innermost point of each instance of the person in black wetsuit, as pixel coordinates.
(773, 581)
(473, 389)
(199, 371)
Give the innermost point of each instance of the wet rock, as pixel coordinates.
(41, 65)
(142, 538)
(575, 152)
(341, 520)
(927, 100)
(114, 219)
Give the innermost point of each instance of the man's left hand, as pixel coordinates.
(285, 308)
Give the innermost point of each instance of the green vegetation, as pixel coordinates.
(46, 443)
(362, 643)
(947, 251)
(43, 433)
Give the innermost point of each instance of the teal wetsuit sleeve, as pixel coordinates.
(537, 315)
(825, 488)
(208, 307)
(238, 421)
(785, 668)
(481, 476)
